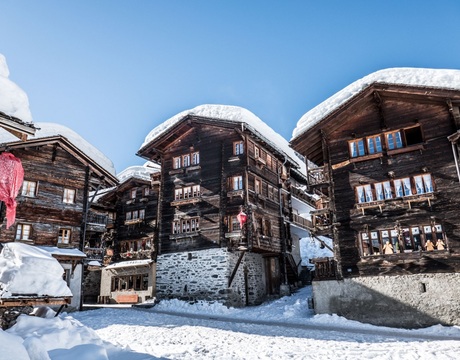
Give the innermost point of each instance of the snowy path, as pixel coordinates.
(384, 332)
(198, 336)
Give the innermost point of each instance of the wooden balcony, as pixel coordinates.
(325, 268)
(302, 222)
(318, 176)
(188, 201)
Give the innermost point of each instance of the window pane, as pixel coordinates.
(388, 192)
(390, 141)
(361, 151)
(370, 145)
(379, 191)
(369, 195)
(398, 188)
(428, 183)
(378, 144)
(407, 186)
(360, 193)
(353, 149)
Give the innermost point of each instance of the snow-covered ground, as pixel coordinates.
(281, 329)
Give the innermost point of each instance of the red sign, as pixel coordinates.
(11, 178)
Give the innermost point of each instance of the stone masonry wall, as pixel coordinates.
(204, 275)
(409, 301)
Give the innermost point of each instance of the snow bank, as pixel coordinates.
(13, 100)
(26, 270)
(139, 172)
(310, 248)
(434, 78)
(236, 114)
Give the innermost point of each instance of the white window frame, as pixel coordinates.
(69, 196)
(64, 236)
(23, 232)
(237, 182)
(29, 188)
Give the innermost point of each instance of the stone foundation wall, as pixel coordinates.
(409, 301)
(204, 275)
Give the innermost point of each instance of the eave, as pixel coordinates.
(16, 127)
(109, 179)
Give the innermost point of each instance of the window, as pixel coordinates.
(356, 148)
(403, 240)
(178, 194)
(29, 188)
(423, 184)
(394, 140)
(146, 191)
(383, 191)
(133, 193)
(237, 182)
(142, 214)
(23, 232)
(238, 148)
(256, 152)
(402, 187)
(257, 186)
(187, 192)
(233, 223)
(186, 225)
(195, 158)
(129, 215)
(186, 160)
(177, 162)
(69, 196)
(374, 144)
(135, 214)
(404, 137)
(364, 193)
(64, 236)
(135, 282)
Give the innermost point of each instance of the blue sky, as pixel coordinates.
(112, 70)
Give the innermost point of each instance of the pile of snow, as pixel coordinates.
(13, 100)
(434, 78)
(46, 130)
(26, 270)
(139, 172)
(236, 114)
(62, 338)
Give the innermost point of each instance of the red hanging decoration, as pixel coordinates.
(242, 218)
(11, 178)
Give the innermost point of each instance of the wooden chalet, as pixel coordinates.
(223, 219)
(388, 175)
(129, 275)
(60, 171)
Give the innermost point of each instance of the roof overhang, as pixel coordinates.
(16, 127)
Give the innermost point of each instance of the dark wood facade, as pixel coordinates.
(131, 233)
(53, 200)
(212, 170)
(389, 175)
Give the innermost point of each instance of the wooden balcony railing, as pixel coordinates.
(318, 176)
(325, 268)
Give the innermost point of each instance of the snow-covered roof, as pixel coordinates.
(124, 264)
(139, 172)
(45, 129)
(433, 78)
(53, 250)
(13, 100)
(26, 270)
(231, 113)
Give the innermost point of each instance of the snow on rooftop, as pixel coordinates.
(139, 172)
(53, 250)
(45, 129)
(26, 269)
(124, 264)
(231, 113)
(13, 100)
(434, 78)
